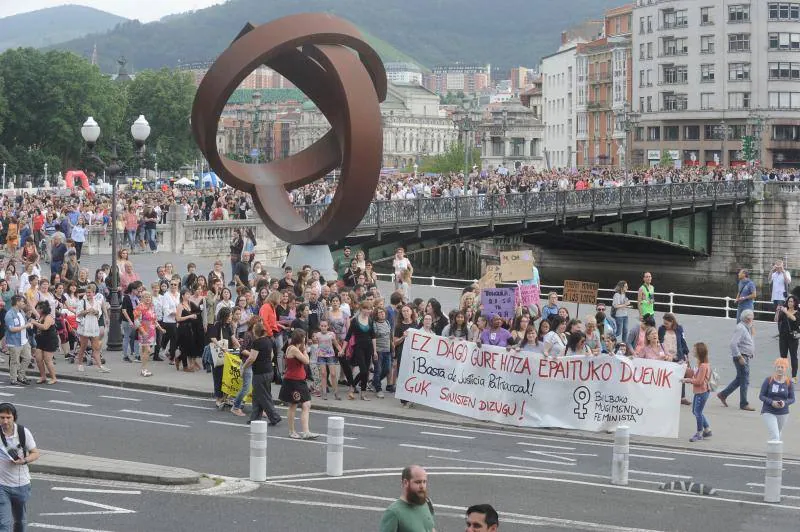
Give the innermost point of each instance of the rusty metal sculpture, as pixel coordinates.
(327, 59)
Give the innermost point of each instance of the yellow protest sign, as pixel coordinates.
(232, 377)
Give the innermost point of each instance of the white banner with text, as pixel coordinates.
(524, 389)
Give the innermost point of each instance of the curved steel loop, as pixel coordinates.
(314, 51)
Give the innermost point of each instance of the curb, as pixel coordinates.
(466, 422)
(72, 465)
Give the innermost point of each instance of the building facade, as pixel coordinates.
(414, 126)
(603, 87)
(558, 106)
(407, 73)
(511, 136)
(470, 79)
(717, 82)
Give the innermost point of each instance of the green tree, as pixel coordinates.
(666, 160)
(52, 94)
(450, 161)
(165, 98)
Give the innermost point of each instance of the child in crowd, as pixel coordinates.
(698, 378)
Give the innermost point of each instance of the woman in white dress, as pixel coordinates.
(89, 311)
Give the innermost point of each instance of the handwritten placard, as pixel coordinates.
(491, 277)
(580, 292)
(498, 301)
(516, 265)
(525, 389)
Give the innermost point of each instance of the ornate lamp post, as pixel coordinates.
(90, 132)
(4, 176)
(467, 126)
(722, 131)
(628, 120)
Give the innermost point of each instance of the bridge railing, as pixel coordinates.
(664, 301)
(544, 204)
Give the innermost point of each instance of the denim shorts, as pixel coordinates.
(327, 361)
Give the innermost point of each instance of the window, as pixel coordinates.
(641, 25)
(641, 51)
(784, 100)
(736, 132)
(784, 41)
(649, 50)
(641, 105)
(674, 18)
(706, 17)
(638, 134)
(674, 46)
(691, 133)
(707, 73)
(739, 100)
(784, 11)
(738, 71)
(654, 133)
(674, 102)
(780, 132)
(641, 78)
(739, 13)
(671, 132)
(739, 42)
(649, 104)
(707, 44)
(784, 71)
(672, 75)
(649, 77)
(706, 100)
(650, 24)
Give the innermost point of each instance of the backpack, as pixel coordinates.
(21, 435)
(713, 380)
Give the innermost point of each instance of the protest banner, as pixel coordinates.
(580, 292)
(528, 295)
(491, 277)
(524, 389)
(516, 265)
(232, 377)
(498, 301)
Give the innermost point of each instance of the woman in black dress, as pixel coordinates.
(47, 342)
(187, 315)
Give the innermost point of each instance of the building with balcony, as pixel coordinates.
(709, 75)
(602, 88)
(511, 136)
(469, 79)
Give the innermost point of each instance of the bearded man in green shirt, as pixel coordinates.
(413, 511)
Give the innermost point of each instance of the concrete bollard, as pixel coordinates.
(258, 451)
(773, 476)
(619, 460)
(335, 464)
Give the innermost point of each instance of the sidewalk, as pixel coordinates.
(734, 431)
(77, 465)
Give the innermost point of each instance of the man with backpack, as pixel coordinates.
(19, 450)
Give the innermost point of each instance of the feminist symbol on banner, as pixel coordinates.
(315, 52)
(581, 395)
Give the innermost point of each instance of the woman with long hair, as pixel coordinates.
(186, 316)
(225, 299)
(362, 329)
(434, 309)
(221, 330)
(777, 394)
(210, 302)
(576, 345)
(294, 389)
(555, 342)
(673, 340)
(789, 332)
(698, 378)
(269, 317)
(519, 327)
(458, 328)
(145, 317)
(89, 312)
(47, 342)
(652, 349)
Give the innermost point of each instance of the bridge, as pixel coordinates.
(599, 209)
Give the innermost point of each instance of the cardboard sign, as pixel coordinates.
(516, 265)
(580, 292)
(491, 277)
(527, 390)
(498, 301)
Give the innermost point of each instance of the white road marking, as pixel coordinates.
(550, 462)
(6, 394)
(784, 487)
(550, 455)
(209, 407)
(66, 528)
(82, 405)
(156, 414)
(376, 427)
(242, 426)
(448, 435)
(120, 398)
(51, 389)
(412, 446)
(651, 457)
(93, 414)
(745, 466)
(548, 446)
(94, 490)
(344, 437)
(654, 474)
(105, 508)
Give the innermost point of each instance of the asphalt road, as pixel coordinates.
(537, 480)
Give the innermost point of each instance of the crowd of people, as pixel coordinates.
(398, 186)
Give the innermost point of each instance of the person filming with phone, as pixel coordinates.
(19, 450)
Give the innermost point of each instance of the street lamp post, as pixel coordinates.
(628, 120)
(90, 132)
(45, 172)
(467, 126)
(4, 176)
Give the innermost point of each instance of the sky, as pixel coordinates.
(144, 10)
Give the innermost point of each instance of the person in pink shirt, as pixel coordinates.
(698, 378)
(652, 348)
